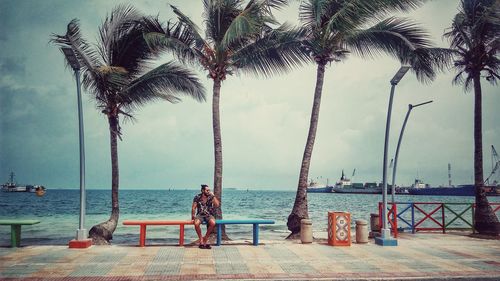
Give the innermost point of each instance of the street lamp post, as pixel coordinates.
(81, 240)
(410, 107)
(385, 237)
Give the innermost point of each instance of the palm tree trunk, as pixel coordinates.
(485, 220)
(299, 210)
(217, 150)
(102, 233)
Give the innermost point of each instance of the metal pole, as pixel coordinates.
(397, 152)
(81, 233)
(384, 231)
(410, 107)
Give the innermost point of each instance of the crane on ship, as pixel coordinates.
(492, 179)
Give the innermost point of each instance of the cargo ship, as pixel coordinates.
(315, 187)
(459, 190)
(491, 185)
(346, 186)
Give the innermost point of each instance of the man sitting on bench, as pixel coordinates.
(204, 204)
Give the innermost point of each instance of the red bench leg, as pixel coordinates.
(142, 236)
(181, 235)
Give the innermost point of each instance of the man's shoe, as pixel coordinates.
(202, 247)
(207, 246)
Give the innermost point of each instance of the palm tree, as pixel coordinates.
(116, 74)
(238, 38)
(336, 28)
(475, 39)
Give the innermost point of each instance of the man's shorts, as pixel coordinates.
(204, 219)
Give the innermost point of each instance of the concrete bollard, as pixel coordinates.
(361, 231)
(306, 235)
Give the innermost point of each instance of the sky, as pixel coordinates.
(264, 121)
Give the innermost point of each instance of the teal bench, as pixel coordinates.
(15, 229)
(255, 223)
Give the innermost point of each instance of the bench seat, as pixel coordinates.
(144, 223)
(253, 222)
(15, 229)
(181, 224)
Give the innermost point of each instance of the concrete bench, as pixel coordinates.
(144, 223)
(15, 229)
(181, 224)
(255, 224)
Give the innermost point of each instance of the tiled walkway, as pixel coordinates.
(433, 256)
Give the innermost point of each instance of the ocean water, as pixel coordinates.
(58, 212)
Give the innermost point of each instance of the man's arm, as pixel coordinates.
(193, 210)
(215, 201)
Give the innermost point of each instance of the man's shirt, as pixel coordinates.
(204, 208)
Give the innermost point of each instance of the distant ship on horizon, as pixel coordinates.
(11, 186)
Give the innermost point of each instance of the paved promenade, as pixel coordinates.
(420, 256)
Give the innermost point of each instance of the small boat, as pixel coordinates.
(11, 186)
(40, 190)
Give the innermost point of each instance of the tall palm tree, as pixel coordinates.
(336, 28)
(116, 74)
(238, 37)
(475, 39)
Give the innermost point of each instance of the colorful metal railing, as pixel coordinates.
(392, 220)
(430, 216)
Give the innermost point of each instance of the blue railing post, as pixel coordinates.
(219, 234)
(255, 234)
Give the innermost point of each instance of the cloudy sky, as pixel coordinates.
(264, 121)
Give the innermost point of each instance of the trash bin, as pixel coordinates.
(374, 225)
(361, 231)
(306, 235)
(339, 228)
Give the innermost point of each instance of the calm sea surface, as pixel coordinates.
(58, 212)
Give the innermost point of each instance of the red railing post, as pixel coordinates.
(380, 214)
(395, 219)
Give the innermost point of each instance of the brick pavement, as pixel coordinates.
(419, 256)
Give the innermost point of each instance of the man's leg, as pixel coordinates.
(210, 228)
(197, 227)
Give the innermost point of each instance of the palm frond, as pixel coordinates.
(404, 40)
(474, 37)
(313, 12)
(168, 81)
(178, 39)
(122, 42)
(276, 52)
(247, 23)
(113, 72)
(87, 56)
(218, 15)
(349, 15)
(394, 36)
(190, 27)
(425, 62)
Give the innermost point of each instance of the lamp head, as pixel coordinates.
(71, 58)
(399, 75)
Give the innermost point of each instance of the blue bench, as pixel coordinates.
(255, 223)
